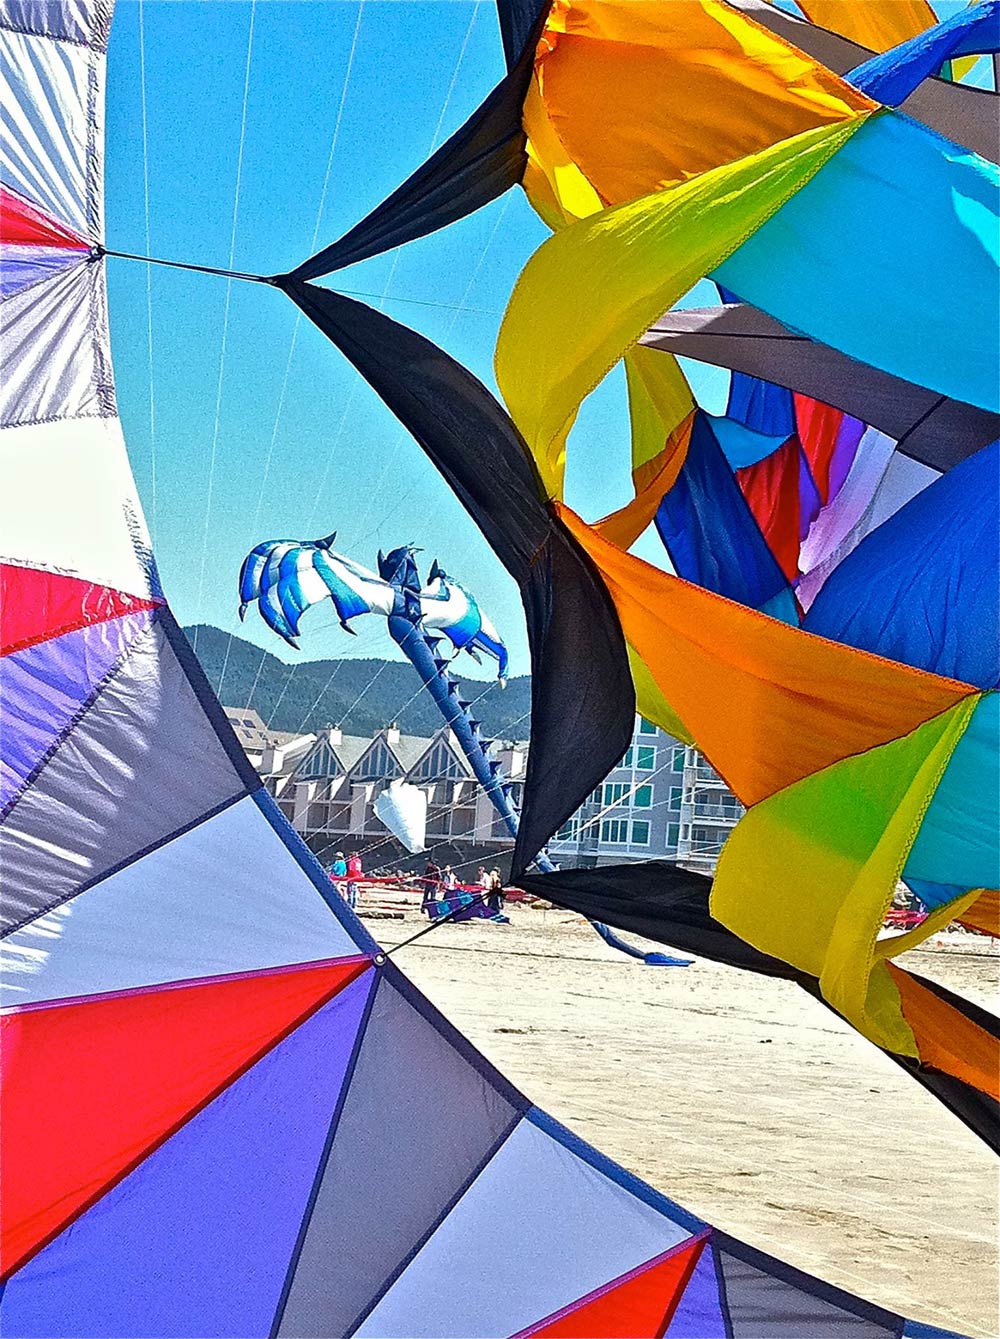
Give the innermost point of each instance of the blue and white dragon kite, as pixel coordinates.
(287, 577)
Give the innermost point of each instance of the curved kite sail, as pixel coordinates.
(403, 809)
(225, 1111)
(857, 731)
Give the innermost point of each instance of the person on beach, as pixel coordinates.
(432, 883)
(495, 899)
(354, 870)
(338, 872)
(450, 879)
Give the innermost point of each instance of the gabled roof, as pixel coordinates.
(409, 750)
(334, 756)
(443, 739)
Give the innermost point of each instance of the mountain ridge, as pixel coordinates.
(362, 696)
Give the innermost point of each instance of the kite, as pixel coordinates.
(859, 733)
(226, 1111)
(403, 809)
(282, 577)
(285, 579)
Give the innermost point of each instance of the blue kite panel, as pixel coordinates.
(957, 841)
(888, 254)
(710, 533)
(924, 588)
(761, 406)
(44, 686)
(22, 266)
(699, 1312)
(891, 77)
(198, 1239)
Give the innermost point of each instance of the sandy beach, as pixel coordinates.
(742, 1099)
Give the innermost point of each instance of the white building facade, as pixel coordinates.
(663, 801)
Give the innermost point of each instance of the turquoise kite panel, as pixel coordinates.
(889, 254)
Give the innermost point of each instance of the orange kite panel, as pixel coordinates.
(768, 704)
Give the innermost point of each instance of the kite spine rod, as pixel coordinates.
(185, 265)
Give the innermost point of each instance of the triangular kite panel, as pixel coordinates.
(142, 1064)
(23, 266)
(767, 1298)
(21, 222)
(46, 89)
(225, 896)
(55, 478)
(636, 1306)
(538, 1214)
(420, 1119)
(54, 365)
(699, 1311)
(197, 1239)
(45, 686)
(39, 605)
(162, 768)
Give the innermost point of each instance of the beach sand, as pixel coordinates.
(741, 1098)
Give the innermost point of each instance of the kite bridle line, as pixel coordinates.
(277, 280)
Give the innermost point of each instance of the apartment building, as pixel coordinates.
(663, 800)
(326, 784)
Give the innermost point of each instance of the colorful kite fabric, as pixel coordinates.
(225, 1112)
(217, 1091)
(866, 243)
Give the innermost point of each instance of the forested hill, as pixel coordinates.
(361, 695)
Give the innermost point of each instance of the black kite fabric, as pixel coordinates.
(670, 905)
(582, 698)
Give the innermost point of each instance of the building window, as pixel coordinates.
(643, 797)
(439, 764)
(707, 841)
(646, 727)
(645, 758)
(569, 832)
(640, 833)
(614, 831)
(676, 794)
(673, 836)
(678, 760)
(378, 763)
(320, 763)
(628, 759)
(613, 792)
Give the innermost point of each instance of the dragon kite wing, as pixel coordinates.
(447, 606)
(287, 577)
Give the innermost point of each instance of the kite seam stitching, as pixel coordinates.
(324, 1159)
(58, 418)
(96, 692)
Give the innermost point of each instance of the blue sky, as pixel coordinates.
(279, 446)
(338, 460)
